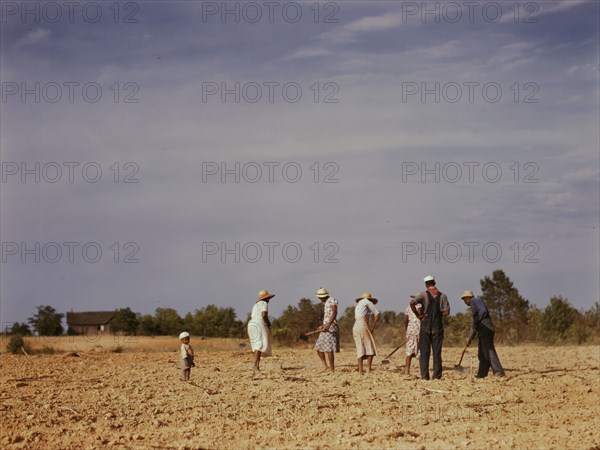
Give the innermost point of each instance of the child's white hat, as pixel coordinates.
(184, 335)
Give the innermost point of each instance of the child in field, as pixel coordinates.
(186, 355)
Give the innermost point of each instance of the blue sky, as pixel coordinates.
(533, 151)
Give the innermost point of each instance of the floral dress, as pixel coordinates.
(329, 341)
(412, 332)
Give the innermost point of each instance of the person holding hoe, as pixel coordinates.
(329, 337)
(484, 328)
(431, 335)
(362, 334)
(258, 328)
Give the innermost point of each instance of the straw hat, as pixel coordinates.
(368, 296)
(322, 292)
(467, 294)
(264, 295)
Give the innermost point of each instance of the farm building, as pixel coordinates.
(89, 323)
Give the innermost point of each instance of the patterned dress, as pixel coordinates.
(412, 332)
(329, 341)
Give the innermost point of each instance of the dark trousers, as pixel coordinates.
(430, 343)
(487, 353)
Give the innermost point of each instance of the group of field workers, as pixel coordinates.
(424, 332)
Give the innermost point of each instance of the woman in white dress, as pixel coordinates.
(363, 337)
(258, 328)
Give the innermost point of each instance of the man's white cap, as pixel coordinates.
(184, 335)
(428, 278)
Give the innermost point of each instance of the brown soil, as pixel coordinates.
(549, 399)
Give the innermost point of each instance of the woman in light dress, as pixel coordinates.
(258, 328)
(363, 335)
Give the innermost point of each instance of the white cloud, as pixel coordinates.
(515, 54)
(35, 36)
(445, 50)
(556, 6)
(310, 53)
(348, 33)
(584, 175)
(583, 72)
(375, 23)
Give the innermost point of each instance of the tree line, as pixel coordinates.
(516, 320)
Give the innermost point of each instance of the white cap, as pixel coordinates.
(428, 278)
(184, 335)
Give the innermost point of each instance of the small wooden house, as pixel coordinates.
(89, 323)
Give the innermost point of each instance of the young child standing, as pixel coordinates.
(186, 355)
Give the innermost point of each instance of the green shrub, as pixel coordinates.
(15, 343)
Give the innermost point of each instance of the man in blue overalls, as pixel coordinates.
(434, 306)
(483, 326)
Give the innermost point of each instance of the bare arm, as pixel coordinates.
(377, 317)
(413, 307)
(333, 317)
(265, 316)
(417, 300)
(445, 306)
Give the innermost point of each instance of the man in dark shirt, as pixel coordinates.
(434, 306)
(483, 326)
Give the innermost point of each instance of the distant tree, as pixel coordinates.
(457, 328)
(168, 322)
(506, 306)
(147, 326)
(534, 317)
(213, 321)
(579, 332)
(558, 321)
(210, 319)
(346, 322)
(388, 318)
(189, 324)
(294, 321)
(592, 320)
(21, 329)
(47, 322)
(229, 326)
(125, 320)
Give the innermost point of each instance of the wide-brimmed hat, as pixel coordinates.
(428, 278)
(264, 295)
(467, 294)
(322, 292)
(368, 296)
